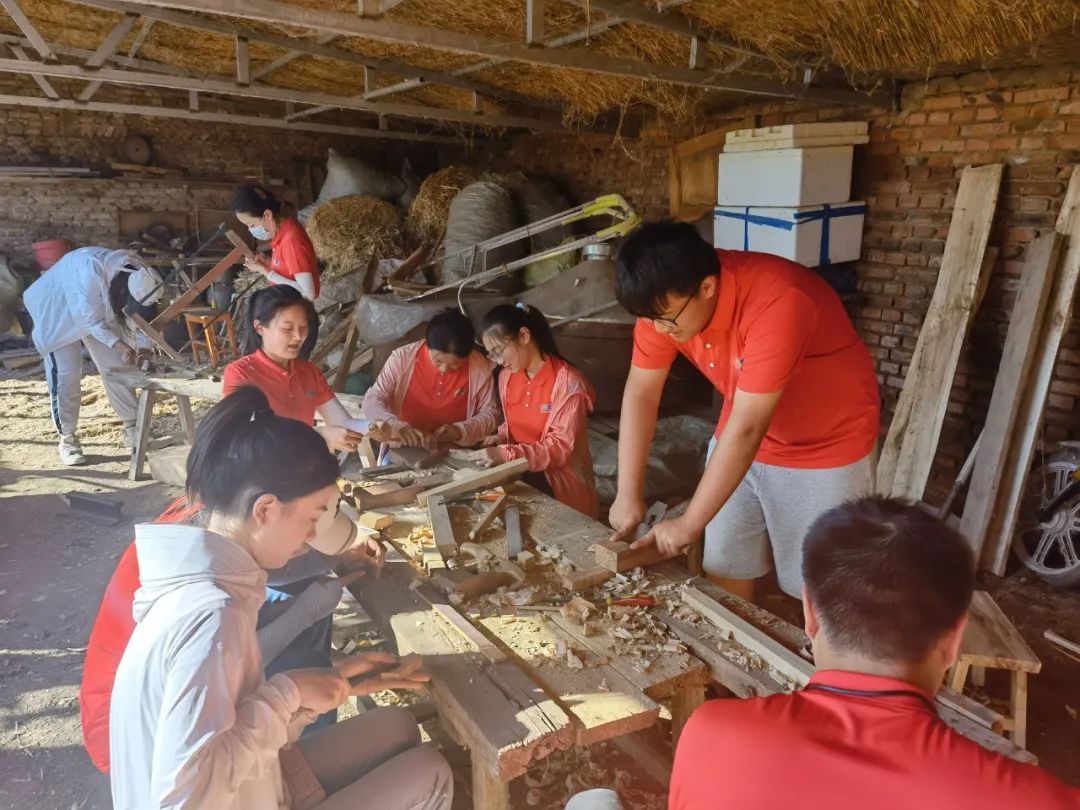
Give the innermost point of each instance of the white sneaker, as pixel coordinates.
(71, 452)
(129, 436)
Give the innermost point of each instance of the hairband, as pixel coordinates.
(523, 307)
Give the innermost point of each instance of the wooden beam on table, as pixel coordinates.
(155, 337)
(469, 631)
(29, 31)
(442, 528)
(909, 449)
(272, 11)
(487, 517)
(1056, 323)
(481, 480)
(188, 297)
(1040, 266)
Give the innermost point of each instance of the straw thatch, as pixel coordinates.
(426, 220)
(864, 38)
(351, 231)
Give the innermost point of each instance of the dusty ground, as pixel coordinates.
(53, 569)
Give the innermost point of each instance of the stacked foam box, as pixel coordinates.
(786, 189)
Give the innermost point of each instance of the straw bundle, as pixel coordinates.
(426, 220)
(351, 231)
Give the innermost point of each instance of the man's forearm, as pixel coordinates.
(734, 452)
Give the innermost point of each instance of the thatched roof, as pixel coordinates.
(849, 43)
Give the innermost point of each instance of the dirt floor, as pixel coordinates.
(54, 566)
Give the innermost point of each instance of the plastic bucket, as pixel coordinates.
(49, 252)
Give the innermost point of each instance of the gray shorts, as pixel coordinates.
(775, 506)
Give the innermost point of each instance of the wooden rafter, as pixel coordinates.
(29, 31)
(108, 47)
(278, 13)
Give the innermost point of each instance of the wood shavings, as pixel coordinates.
(572, 661)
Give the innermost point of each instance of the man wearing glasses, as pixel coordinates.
(799, 424)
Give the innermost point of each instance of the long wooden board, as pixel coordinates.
(187, 298)
(910, 445)
(1056, 321)
(1018, 358)
(485, 479)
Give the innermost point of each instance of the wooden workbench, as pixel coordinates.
(185, 386)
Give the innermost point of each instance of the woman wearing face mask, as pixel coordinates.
(546, 402)
(82, 299)
(292, 257)
(437, 390)
(199, 725)
(279, 320)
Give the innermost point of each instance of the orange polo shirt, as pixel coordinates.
(778, 326)
(527, 403)
(819, 750)
(434, 399)
(294, 393)
(291, 252)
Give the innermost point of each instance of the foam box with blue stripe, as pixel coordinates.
(813, 235)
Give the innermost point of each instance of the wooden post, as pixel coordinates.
(187, 418)
(534, 21)
(1019, 707)
(683, 703)
(243, 62)
(489, 793)
(142, 433)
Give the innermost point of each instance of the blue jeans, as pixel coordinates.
(309, 649)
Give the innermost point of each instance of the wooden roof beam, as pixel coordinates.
(41, 81)
(288, 58)
(223, 118)
(29, 31)
(105, 50)
(306, 48)
(269, 93)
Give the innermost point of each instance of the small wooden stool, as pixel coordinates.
(991, 640)
(215, 345)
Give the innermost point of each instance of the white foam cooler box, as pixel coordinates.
(813, 235)
(785, 177)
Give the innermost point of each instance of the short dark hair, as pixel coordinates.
(658, 260)
(252, 200)
(264, 305)
(886, 578)
(450, 332)
(242, 450)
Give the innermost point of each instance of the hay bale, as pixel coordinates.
(481, 211)
(426, 220)
(351, 231)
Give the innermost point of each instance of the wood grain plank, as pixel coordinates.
(908, 452)
(991, 640)
(1017, 360)
(486, 479)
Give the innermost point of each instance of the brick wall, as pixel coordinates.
(908, 175)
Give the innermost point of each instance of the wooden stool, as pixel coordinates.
(991, 640)
(215, 345)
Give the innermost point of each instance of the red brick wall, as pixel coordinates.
(908, 175)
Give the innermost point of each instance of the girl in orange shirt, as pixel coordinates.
(546, 402)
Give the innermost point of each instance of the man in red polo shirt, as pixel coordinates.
(799, 423)
(887, 592)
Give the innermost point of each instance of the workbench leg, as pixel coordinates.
(1019, 708)
(489, 792)
(142, 433)
(683, 703)
(959, 676)
(187, 418)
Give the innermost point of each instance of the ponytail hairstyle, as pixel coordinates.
(507, 320)
(264, 305)
(119, 297)
(451, 332)
(252, 200)
(243, 450)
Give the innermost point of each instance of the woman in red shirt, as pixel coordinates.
(546, 402)
(438, 389)
(276, 330)
(292, 259)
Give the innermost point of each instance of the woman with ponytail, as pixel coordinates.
(199, 724)
(546, 402)
(279, 321)
(292, 259)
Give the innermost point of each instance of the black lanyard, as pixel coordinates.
(872, 693)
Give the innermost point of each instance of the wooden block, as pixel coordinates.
(479, 584)
(442, 528)
(376, 520)
(617, 556)
(395, 495)
(416, 458)
(908, 452)
(514, 540)
(489, 515)
(589, 578)
(485, 479)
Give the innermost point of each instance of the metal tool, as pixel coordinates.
(1049, 544)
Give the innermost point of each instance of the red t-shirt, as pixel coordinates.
(291, 252)
(108, 639)
(527, 403)
(434, 399)
(817, 750)
(294, 393)
(778, 326)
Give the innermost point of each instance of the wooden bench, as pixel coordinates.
(991, 641)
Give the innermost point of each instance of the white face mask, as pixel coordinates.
(259, 232)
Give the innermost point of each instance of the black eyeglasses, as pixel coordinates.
(673, 320)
